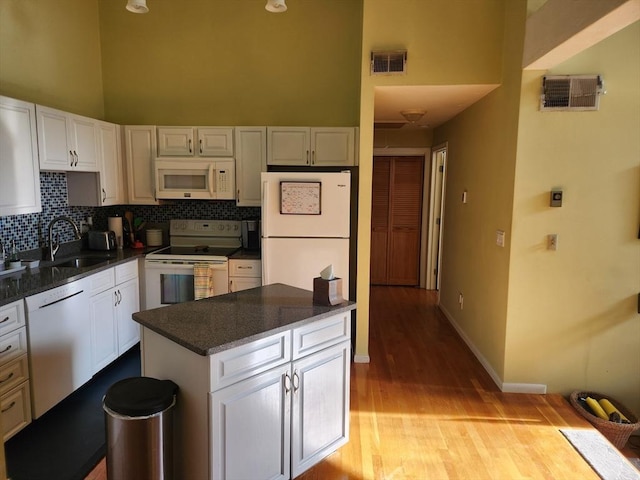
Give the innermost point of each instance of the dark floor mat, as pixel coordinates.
(69, 440)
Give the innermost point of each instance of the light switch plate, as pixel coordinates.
(500, 238)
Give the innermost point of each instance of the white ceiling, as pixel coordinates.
(441, 103)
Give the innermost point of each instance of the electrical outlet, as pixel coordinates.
(552, 241)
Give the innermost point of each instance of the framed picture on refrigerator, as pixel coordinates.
(300, 198)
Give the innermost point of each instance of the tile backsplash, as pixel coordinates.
(30, 231)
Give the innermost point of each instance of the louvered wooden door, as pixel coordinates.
(396, 215)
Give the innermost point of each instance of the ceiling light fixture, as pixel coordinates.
(275, 6)
(412, 116)
(137, 6)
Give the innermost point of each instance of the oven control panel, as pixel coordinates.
(213, 228)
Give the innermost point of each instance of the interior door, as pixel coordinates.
(396, 220)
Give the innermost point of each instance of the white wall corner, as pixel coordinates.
(504, 387)
(361, 359)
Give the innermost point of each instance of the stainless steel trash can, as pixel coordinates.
(139, 426)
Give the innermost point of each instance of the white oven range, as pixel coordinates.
(169, 277)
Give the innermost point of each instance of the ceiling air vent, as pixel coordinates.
(389, 63)
(571, 92)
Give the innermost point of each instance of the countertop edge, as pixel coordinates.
(127, 256)
(341, 308)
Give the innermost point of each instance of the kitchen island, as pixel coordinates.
(263, 377)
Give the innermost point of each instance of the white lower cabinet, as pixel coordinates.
(244, 274)
(114, 298)
(15, 393)
(252, 417)
(320, 422)
(276, 406)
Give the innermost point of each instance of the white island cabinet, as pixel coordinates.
(276, 405)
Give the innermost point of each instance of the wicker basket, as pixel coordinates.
(616, 433)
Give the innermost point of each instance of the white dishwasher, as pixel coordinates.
(59, 332)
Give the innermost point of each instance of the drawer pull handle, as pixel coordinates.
(4, 319)
(8, 377)
(11, 405)
(6, 349)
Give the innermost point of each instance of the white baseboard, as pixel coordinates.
(361, 359)
(504, 387)
(538, 388)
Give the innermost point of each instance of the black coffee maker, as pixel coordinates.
(251, 234)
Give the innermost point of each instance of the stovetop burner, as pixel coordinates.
(201, 239)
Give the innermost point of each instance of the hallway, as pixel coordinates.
(424, 408)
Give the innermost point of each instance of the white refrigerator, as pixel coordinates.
(305, 227)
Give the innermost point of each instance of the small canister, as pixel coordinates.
(154, 237)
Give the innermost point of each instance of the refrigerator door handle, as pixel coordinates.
(265, 205)
(264, 270)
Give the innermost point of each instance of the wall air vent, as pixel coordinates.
(571, 92)
(389, 62)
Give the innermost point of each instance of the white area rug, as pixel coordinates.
(603, 457)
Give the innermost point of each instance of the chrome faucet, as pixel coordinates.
(53, 248)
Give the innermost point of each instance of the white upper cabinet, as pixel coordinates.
(140, 147)
(112, 190)
(311, 146)
(251, 161)
(195, 141)
(332, 146)
(20, 173)
(66, 142)
(215, 142)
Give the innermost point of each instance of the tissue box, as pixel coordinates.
(327, 292)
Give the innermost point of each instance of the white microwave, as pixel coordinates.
(186, 178)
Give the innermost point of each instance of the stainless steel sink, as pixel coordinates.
(81, 262)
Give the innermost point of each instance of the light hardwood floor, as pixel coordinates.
(424, 408)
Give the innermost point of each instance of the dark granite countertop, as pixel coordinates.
(215, 324)
(244, 254)
(21, 284)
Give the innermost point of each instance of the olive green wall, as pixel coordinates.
(572, 318)
(481, 160)
(50, 54)
(230, 62)
(449, 42)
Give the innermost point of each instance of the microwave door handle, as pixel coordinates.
(212, 180)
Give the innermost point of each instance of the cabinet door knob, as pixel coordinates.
(287, 383)
(7, 378)
(4, 319)
(296, 381)
(307, 157)
(104, 195)
(190, 147)
(200, 146)
(71, 161)
(6, 349)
